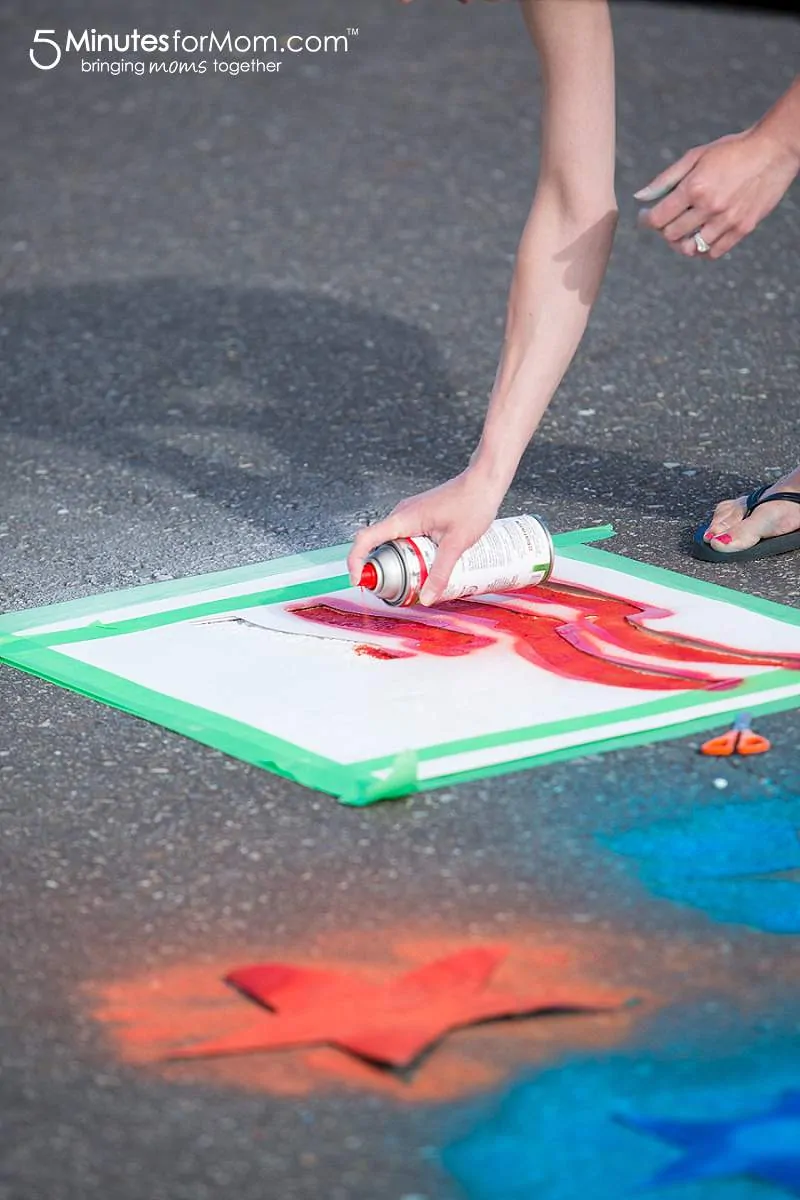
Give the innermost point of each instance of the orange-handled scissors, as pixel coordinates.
(740, 739)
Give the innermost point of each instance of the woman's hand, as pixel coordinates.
(454, 515)
(722, 191)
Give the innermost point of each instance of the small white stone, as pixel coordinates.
(720, 783)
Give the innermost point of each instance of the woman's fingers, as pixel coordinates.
(712, 232)
(453, 515)
(685, 213)
(402, 523)
(719, 242)
(450, 550)
(669, 179)
(685, 226)
(725, 243)
(672, 208)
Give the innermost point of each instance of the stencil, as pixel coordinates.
(286, 666)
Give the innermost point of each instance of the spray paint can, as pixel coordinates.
(514, 552)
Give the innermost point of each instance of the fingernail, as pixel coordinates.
(651, 193)
(725, 538)
(426, 597)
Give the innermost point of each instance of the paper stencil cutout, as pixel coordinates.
(286, 666)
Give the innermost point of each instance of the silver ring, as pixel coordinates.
(701, 243)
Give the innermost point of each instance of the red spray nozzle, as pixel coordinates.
(369, 577)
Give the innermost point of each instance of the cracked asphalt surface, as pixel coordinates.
(238, 317)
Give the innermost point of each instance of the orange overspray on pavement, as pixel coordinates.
(149, 1015)
(154, 1016)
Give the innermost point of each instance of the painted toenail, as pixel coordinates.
(725, 538)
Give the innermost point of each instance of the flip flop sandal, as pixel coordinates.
(763, 549)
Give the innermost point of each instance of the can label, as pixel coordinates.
(514, 552)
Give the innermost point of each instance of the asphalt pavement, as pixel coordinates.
(240, 315)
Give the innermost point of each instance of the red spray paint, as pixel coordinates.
(437, 636)
(574, 632)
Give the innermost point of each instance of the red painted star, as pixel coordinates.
(390, 1023)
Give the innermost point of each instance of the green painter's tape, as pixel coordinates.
(151, 593)
(400, 780)
(195, 612)
(684, 583)
(579, 537)
(625, 741)
(746, 693)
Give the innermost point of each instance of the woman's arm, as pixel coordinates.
(567, 239)
(559, 268)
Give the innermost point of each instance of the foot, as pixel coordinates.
(730, 530)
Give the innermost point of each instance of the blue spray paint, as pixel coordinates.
(735, 862)
(763, 1145)
(569, 1133)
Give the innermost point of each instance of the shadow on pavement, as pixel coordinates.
(171, 377)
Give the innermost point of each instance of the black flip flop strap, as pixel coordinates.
(757, 498)
(754, 497)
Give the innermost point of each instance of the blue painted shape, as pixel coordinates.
(727, 861)
(764, 1146)
(561, 1136)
